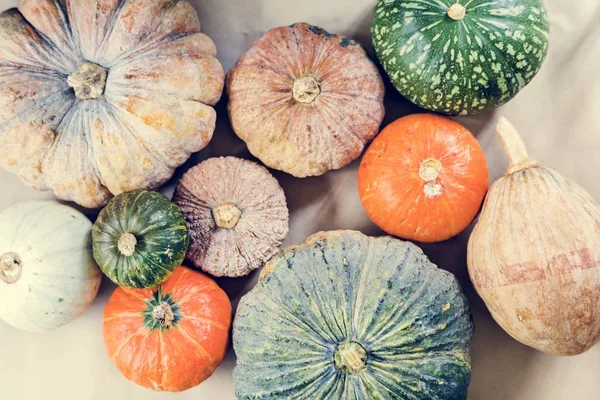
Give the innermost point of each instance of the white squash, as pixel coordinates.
(48, 276)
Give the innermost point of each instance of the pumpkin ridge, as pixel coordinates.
(43, 49)
(158, 265)
(399, 313)
(126, 342)
(139, 51)
(369, 383)
(109, 26)
(128, 314)
(66, 25)
(326, 314)
(191, 295)
(151, 151)
(197, 346)
(268, 113)
(267, 63)
(214, 323)
(51, 97)
(296, 320)
(340, 121)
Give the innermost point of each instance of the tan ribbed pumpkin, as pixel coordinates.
(534, 256)
(305, 101)
(100, 97)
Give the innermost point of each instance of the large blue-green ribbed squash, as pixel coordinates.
(139, 238)
(346, 316)
(460, 57)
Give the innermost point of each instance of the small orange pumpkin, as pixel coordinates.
(170, 338)
(423, 178)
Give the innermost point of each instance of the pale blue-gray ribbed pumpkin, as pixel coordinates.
(346, 316)
(460, 57)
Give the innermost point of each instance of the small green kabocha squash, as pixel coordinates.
(346, 316)
(460, 56)
(139, 238)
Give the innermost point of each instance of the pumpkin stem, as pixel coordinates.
(457, 11)
(430, 169)
(163, 315)
(226, 216)
(11, 267)
(350, 357)
(514, 147)
(126, 244)
(89, 81)
(306, 89)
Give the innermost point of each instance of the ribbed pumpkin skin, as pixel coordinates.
(152, 112)
(394, 192)
(534, 258)
(460, 67)
(263, 221)
(411, 318)
(325, 127)
(181, 356)
(160, 231)
(59, 278)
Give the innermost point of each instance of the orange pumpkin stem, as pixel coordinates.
(515, 149)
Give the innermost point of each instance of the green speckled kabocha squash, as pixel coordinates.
(139, 238)
(460, 57)
(346, 316)
(100, 97)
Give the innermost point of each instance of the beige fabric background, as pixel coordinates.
(558, 114)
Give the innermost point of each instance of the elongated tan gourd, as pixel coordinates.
(534, 256)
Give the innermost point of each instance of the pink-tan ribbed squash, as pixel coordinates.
(236, 214)
(305, 101)
(100, 97)
(534, 256)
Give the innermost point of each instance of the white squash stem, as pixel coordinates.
(226, 216)
(10, 267)
(306, 89)
(126, 244)
(457, 12)
(514, 147)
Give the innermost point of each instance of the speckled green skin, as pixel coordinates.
(411, 317)
(460, 67)
(161, 233)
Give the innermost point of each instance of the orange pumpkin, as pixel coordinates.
(423, 178)
(170, 338)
